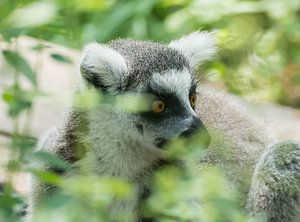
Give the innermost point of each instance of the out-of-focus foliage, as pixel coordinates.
(259, 40)
(259, 58)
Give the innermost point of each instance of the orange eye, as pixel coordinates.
(193, 100)
(158, 106)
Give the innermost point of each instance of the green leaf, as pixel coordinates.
(50, 159)
(13, 165)
(61, 58)
(18, 100)
(20, 64)
(10, 32)
(8, 97)
(23, 142)
(46, 176)
(39, 47)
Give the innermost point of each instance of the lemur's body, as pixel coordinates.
(128, 145)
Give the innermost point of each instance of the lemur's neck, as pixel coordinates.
(113, 149)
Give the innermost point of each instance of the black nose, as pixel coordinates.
(197, 128)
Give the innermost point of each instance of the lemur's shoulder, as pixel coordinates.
(231, 119)
(64, 138)
(238, 136)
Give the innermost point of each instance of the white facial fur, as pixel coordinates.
(177, 82)
(197, 47)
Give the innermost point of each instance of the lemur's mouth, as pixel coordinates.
(160, 142)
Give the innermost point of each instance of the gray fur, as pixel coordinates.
(275, 189)
(241, 145)
(144, 58)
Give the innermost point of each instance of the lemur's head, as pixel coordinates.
(164, 73)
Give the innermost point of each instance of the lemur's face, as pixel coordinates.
(163, 74)
(172, 98)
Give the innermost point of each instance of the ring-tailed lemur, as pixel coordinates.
(129, 145)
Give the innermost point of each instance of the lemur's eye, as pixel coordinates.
(193, 99)
(158, 106)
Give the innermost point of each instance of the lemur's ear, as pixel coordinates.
(103, 67)
(197, 47)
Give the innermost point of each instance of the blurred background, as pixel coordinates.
(259, 40)
(259, 59)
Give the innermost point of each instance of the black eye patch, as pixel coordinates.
(193, 89)
(172, 106)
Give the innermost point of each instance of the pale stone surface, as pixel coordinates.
(59, 80)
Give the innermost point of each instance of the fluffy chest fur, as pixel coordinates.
(115, 149)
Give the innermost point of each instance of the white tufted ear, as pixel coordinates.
(197, 47)
(103, 67)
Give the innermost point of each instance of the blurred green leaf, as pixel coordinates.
(93, 5)
(23, 143)
(8, 33)
(61, 58)
(13, 165)
(50, 160)
(18, 100)
(87, 99)
(11, 204)
(20, 64)
(46, 176)
(91, 186)
(40, 47)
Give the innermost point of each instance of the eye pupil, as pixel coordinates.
(158, 106)
(193, 101)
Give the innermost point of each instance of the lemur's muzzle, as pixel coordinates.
(197, 128)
